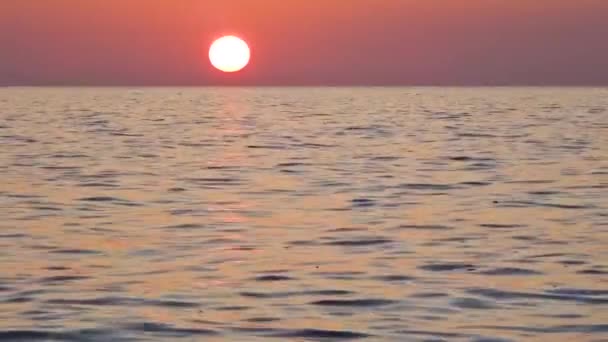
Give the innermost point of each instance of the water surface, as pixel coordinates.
(381, 214)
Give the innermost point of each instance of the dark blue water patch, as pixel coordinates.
(13, 236)
(123, 301)
(429, 295)
(35, 313)
(346, 230)
(188, 212)
(550, 255)
(268, 147)
(168, 330)
(596, 110)
(427, 186)
(185, 226)
(61, 168)
(41, 247)
(98, 185)
(363, 203)
(476, 184)
(449, 266)
(290, 172)
(557, 329)
(109, 199)
(437, 334)
(75, 251)
(491, 339)
(472, 303)
(527, 204)
(531, 181)
(563, 316)
(513, 295)
(24, 196)
(311, 145)
(262, 319)
(544, 193)
(292, 164)
(318, 334)
(273, 278)
(232, 308)
(62, 279)
(468, 158)
(423, 227)
(509, 271)
(255, 330)
(579, 292)
(44, 335)
(394, 278)
(476, 135)
(301, 243)
(124, 134)
(572, 262)
(47, 208)
(362, 303)
(525, 238)
(593, 271)
(269, 295)
(68, 156)
(214, 180)
(352, 275)
(360, 242)
(148, 155)
(385, 158)
(193, 144)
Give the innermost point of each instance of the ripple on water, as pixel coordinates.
(360, 242)
(62, 279)
(472, 303)
(509, 271)
(423, 227)
(316, 334)
(124, 301)
(168, 330)
(449, 266)
(273, 278)
(279, 294)
(514, 295)
(394, 278)
(353, 302)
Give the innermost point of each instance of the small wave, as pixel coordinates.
(166, 329)
(393, 278)
(361, 242)
(445, 267)
(272, 278)
(511, 295)
(354, 302)
(320, 334)
(424, 227)
(509, 271)
(472, 303)
(268, 295)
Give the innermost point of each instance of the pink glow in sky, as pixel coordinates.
(309, 42)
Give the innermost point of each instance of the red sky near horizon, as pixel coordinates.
(306, 42)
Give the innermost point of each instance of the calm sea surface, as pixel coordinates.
(296, 214)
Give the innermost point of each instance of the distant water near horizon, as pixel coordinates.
(304, 214)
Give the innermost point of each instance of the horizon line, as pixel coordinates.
(523, 85)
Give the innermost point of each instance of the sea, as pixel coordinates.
(304, 214)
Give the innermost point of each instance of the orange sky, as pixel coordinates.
(164, 42)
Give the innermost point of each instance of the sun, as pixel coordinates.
(229, 54)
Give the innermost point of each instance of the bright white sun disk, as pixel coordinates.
(229, 54)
